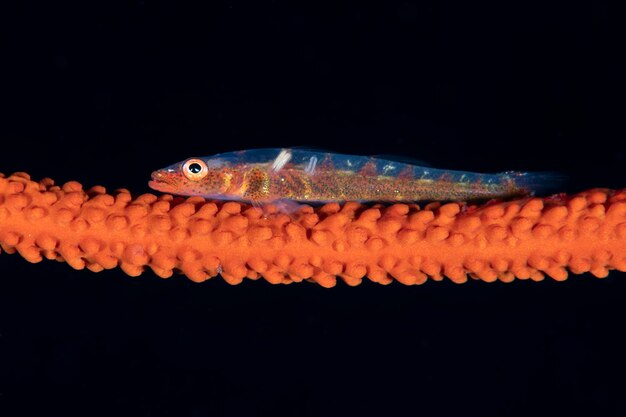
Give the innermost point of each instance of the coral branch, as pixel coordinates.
(525, 238)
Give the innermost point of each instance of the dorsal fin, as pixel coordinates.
(282, 159)
(318, 149)
(403, 159)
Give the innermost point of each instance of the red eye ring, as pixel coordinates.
(195, 169)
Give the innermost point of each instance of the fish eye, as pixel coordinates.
(195, 169)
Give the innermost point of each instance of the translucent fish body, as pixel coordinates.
(266, 175)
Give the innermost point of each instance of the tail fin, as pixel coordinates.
(538, 183)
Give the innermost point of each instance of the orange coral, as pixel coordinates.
(524, 238)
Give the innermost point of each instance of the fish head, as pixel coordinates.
(210, 178)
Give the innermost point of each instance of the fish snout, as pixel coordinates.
(162, 181)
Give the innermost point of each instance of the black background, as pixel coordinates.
(105, 92)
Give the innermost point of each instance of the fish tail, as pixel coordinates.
(537, 183)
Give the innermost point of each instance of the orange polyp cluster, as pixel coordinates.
(523, 239)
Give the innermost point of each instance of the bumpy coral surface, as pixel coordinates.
(526, 238)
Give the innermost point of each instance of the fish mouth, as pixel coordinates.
(162, 183)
